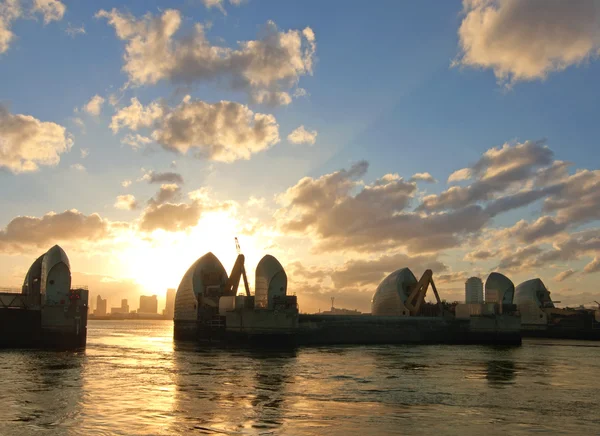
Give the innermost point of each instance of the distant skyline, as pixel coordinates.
(346, 139)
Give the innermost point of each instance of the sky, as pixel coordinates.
(346, 139)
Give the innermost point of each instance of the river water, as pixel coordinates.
(132, 379)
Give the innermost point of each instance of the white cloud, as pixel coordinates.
(78, 167)
(126, 183)
(422, 177)
(73, 31)
(126, 202)
(79, 123)
(10, 10)
(85, 152)
(52, 10)
(136, 116)
(223, 131)
(219, 4)
(459, 175)
(527, 40)
(94, 106)
(302, 136)
(26, 142)
(271, 98)
(136, 141)
(272, 64)
(300, 92)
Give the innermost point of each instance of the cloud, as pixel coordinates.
(126, 202)
(25, 232)
(162, 213)
(359, 273)
(170, 217)
(11, 10)
(477, 255)
(341, 214)
(167, 193)
(271, 98)
(223, 131)
(459, 175)
(573, 246)
(136, 141)
(219, 4)
(512, 37)
(52, 10)
(521, 259)
(542, 228)
(562, 276)
(273, 63)
(94, 106)
(453, 277)
(495, 172)
(85, 152)
(422, 177)
(167, 177)
(593, 266)
(302, 136)
(27, 142)
(576, 199)
(136, 116)
(73, 31)
(566, 248)
(79, 123)
(126, 183)
(78, 167)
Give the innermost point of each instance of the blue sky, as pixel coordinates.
(382, 89)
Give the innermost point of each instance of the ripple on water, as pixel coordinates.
(132, 379)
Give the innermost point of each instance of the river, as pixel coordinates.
(132, 379)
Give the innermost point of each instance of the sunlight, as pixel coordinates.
(160, 261)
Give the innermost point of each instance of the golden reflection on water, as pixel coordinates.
(133, 379)
(130, 384)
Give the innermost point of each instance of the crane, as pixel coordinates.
(238, 271)
(418, 292)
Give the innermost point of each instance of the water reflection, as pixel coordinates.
(41, 390)
(221, 390)
(272, 374)
(132, 380)
(128, 379)
(500, 372)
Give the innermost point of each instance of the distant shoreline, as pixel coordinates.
(128, 318)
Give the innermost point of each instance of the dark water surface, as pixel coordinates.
(132, 379)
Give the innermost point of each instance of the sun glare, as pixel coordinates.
(160, 261)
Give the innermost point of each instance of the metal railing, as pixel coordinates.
(18, 301)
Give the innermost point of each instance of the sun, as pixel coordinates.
(159, 261)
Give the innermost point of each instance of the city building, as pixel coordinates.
(100, 306)
(473, 290)
(148, 304)
(339, 311)
(123, 309)
(170, 304)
